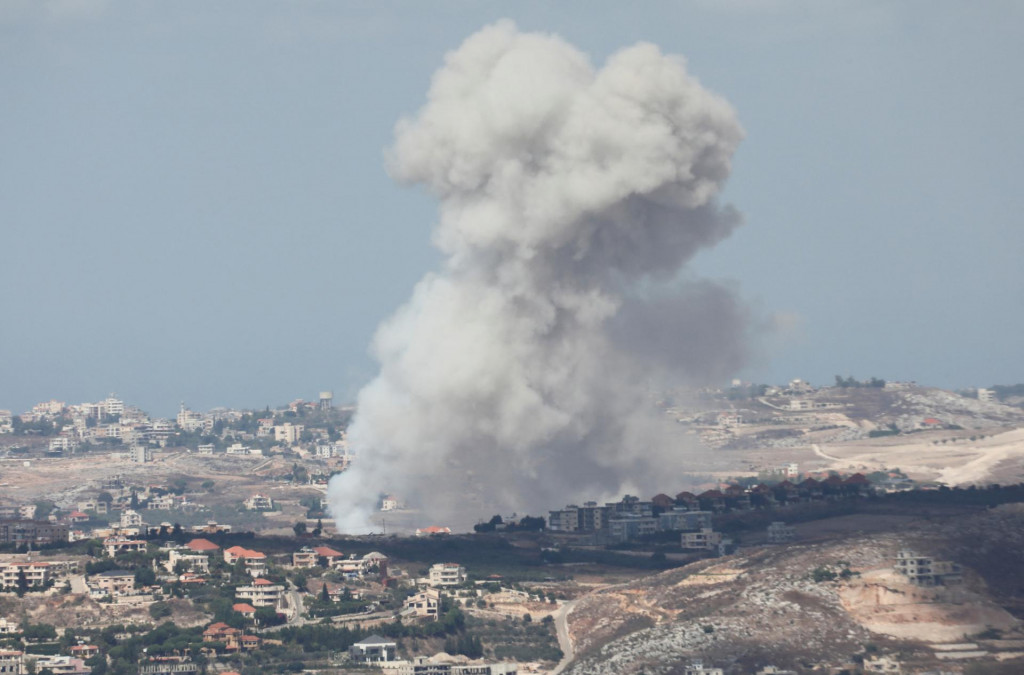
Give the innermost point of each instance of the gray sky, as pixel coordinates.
(194, 205)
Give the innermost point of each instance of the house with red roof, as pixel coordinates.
(254, 561)
(202, 546)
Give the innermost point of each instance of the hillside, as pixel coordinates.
(777, 606)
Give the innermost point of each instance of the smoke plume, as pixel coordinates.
(519, 376)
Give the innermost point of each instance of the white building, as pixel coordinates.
(446, 574)
(140, 454)
(703, 539)
(130, 518)
(780, 533)
(262, 593)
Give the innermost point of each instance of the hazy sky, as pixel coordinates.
(194, 204)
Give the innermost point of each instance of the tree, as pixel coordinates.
(325, 596)
(318, 530)
(22, 582)
(300, 528)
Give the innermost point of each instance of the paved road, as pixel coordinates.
(564, 641)
(78, 584)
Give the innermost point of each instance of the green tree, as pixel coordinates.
(299, 528)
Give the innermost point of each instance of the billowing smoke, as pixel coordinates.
(520, 375)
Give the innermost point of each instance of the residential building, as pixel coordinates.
(9, 627)
(628, 526)
(205, 449)
(35, 532)
(445, 664)
(288, 433)
(36, 574)
(62, 665)
(114, 582)
(202, 546)
(374, 649)
(170, 665)
(140, 454)
(926, 571)
(258, 502)
(780, 533)
(254, 561)
(446, 574)
(425, 604)
(703, 539)
(192, 562)
(684, 519)
(12, 662)
(262, 593)
(304, 558)
(116, 545)
(130, 518)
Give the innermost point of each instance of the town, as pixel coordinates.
(203, 543)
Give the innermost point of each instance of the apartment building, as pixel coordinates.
(262, 593)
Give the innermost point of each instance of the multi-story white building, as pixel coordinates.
(130, 518)
(36, 574)
(288, 433)
(262, 593)
(195, 562)
(703, 539)
(446, 574)
(12, 662)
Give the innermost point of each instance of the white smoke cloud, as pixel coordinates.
(517, 376)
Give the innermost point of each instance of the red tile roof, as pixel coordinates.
(202, 545)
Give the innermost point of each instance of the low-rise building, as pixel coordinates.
(780, 533)
(305, 558)
(113, 582)
(374, 649)
(259, 502)
(255, 562)
(115, 545)
(35, 574)
(191, 562)
(446, 574)
(425, 604)
(704, 539)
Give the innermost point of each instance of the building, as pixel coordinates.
(683, 519)
(259, 503)
(926, 571)
(326, 400)
(9, 627)
(446, 574)
(628, 526)
(202, 546)
(254, 561)
(130, 518)
(12, 662)
(780, 533)
(288, 433)
(140, 454)
(305, 558)
(62, 665)
(35, 532)
(986, 395)
(114, 582)
(192, 562)
(262, 593)
(374, 649)
(703, 539)
(425, 604)
(446, 664)
(36, 574)
(116, 545)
